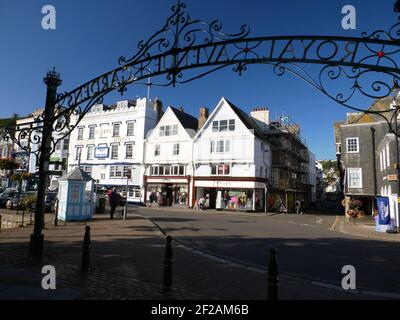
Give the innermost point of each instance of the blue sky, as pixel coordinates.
(92, 35)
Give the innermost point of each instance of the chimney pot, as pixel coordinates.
(202, 117)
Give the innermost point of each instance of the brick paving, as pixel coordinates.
(127, 263)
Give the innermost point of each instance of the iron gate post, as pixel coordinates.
(52, 80)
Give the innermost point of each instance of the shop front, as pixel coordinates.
(230, 194)
(167, 191)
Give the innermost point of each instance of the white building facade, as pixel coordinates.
(168, 159)
(109, 142)
(232, 160)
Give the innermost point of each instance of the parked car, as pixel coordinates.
(7, 195)
(19, 200)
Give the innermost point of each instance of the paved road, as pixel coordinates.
(306, 245)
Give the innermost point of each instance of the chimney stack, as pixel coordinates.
(203, 117)
(158, 107)
(261, 116)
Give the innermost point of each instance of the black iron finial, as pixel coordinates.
(52, 78)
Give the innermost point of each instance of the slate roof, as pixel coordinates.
(77, 175)
(187, 121)
(378, 105)
(248, 122)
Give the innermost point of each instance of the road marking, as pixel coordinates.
(319, 221)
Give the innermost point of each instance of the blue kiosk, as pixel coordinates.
(75, 194)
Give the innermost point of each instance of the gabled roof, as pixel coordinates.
(247, 121)
(77, 175)
(187, 121)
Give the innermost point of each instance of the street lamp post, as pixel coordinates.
(52, 80)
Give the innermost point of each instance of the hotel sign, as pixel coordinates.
(101, 152)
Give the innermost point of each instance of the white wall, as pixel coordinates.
(245, 149)
(166, 144)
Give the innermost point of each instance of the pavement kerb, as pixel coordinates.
(254, 268)
(341, 228)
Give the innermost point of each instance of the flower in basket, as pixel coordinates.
(351, 213)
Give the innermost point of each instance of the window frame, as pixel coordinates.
(157, 150)
(112, 149)
(223, 125)
(174, 130)
(220, 170)
(231, 125)
(215, 126)
(90, 147)
(357, 144)
(92, 133)
(176, 149)
(130, 125)
(116, 125)
(78, 154)
(80, 133)
(360, 185)
(131, 144)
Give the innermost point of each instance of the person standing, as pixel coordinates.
(298, 207)
(114, 201)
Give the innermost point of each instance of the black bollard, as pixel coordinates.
(23, 216)
(167, 279)
(1, 223)
(56, 214)
(55, 220)
(86, 251)
(273, 277)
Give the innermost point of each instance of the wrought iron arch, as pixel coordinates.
(184, 45)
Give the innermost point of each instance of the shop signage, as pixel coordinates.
(101, 152)
(383, 209)
(392, 177)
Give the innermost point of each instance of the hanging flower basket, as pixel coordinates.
(354, 210)
(8, 164)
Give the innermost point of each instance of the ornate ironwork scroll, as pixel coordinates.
(342, 68)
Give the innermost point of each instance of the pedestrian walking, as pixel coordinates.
(298, 207)
(114, 201)
(201, 203)
(196, 206)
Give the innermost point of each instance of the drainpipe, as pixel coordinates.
(374, 166)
